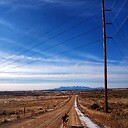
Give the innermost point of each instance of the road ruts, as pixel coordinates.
(48, 120)
(74, 119)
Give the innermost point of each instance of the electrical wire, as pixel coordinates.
(56, 45)
(66, 30)
(121, 25)
(119, 37)
(42, 35)
(58, 54)
(113, 4)
(119, 10)
(119, 29)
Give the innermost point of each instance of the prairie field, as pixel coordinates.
(43, 108)
(16, 106)
(92, 104)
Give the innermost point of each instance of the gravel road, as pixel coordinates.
(49, 119)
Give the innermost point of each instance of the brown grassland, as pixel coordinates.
(14, 107)
(92, 104)
(18, 106)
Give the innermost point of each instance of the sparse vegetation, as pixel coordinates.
(14, 107)
(95, 106)
(92, 103)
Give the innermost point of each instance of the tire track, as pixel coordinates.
(57, 118)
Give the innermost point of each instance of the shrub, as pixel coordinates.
(95, 106)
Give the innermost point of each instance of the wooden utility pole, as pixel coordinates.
(105, 58)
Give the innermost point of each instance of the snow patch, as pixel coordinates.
(85, 121)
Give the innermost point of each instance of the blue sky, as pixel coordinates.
(51, 43)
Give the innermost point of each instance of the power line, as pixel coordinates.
(118, 47)
(77, 36)
(121, 25)
(84, 33)
(119, 28)
(66, 30)
(51, 30)
(113, 4)
(32, 42)
(81, 46)
(120, 37)
(119, 10)
(76, 48)
(120, 50)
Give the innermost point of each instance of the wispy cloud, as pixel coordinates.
(6, 2)
(46, 68)
(10, 26)
(9, 42)
(7, 24)
(38, 3)
(23, 4)
(65, 72)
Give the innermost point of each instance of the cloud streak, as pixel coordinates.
(83, 66)
(70, 73)
(39, 3)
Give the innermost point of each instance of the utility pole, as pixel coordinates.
(105, 58)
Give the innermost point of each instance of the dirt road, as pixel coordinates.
(50, 119)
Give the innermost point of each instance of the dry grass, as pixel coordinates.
(19, 107)
(118, 107)
(15, 107)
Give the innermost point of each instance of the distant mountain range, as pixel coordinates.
(77, 88)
